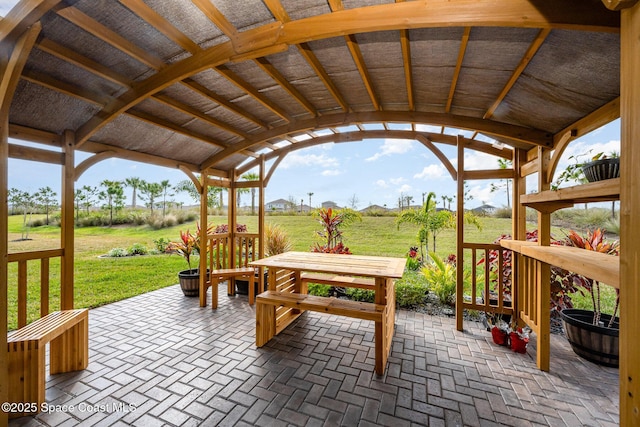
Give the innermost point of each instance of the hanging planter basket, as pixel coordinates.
(602, 169)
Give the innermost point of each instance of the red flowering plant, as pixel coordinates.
(562, 281)
(184, 247)
(414, 261)
(331, 234)
(594, 241)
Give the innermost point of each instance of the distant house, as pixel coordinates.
(330, 204)
(484, 210)
(279, 205)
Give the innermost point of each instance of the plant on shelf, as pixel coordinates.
(596, 168)
(593, 335)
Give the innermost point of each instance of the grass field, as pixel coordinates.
(99, 281)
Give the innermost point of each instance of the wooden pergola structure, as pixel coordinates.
(219, 87)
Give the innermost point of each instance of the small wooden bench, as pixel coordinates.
(267, 325)
(68, 333)
(332, 279)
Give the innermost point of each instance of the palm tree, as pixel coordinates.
(310, 194)
(165, 185)
(421, 218)
(134, 183)
(503, 164)
(251, 176)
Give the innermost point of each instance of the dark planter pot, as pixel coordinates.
(242, 286)
(598, 344)
(599, 170)
(190, 282)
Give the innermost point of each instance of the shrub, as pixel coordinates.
(441, 277)
(277, 240)
(117, 252)
(138, 249)
(503, 213)
(411, 290)
(319, 289)
(357, 294)
(161, 244)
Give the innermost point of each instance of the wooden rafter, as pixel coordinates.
(356, 53)
(456, 72)
(23, 16)
(161, 24)
(516, 133)
(273, 72)
(405, 44)
(277, 10)
(253, 92)
(216, 17)
(395, 16)
(528, 56)
(314, 62)
(69, 89)
(109, 36)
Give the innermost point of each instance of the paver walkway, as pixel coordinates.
(160, 359)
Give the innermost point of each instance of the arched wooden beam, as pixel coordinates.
(96, 158)
(22, 16)
(192, 177)
(439, 154)
(561, 145)
(378, 134)
(525, 136)
(274, 167)
(273, 37)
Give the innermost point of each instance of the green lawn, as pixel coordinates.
(99, 281)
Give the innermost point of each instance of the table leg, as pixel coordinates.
(384, 330)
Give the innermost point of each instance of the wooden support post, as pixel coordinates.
(11, 65)
(67, 223)
(543, 279)
(460, 238)
(204, 240)
(232, 220)
(629, 214)
(518, 231)
(261, 216)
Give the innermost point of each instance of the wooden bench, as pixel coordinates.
(68, 333)
(268, 325)
(332, 279)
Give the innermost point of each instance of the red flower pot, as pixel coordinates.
(519, 345)
(499, 336)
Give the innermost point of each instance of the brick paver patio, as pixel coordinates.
(160, 359)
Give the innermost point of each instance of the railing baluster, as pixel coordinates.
(22, 293)
(487, 294)
(44, 287)
(501, 279)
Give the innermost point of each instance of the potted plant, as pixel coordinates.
(592, 334)
(187, 246)
(597, 168)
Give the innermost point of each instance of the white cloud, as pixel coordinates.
(382, 183)
(303, 160)
(404, 188)
(392, 146)
(397, 181)
(481, 195)
(431, 172)
(477, 160)
(331, 172)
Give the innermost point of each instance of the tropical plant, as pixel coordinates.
(331, 234)
(214, 194)
(422, 218)
(357, 294)
(134, 183)
(573, 172)
(184, 247)
(441, 277)
(411, 290)
(165, 186)
(161, 244)
(414, 262)
(251, 176)
(276, 240)
(594, 241)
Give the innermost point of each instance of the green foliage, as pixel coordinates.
(276, 241)
(138, 249)
(357, 294)
(503, 213)
(331, 222)
(411, 290)
(161, 244)
(117, 253)
(319, 289)
(441, 277)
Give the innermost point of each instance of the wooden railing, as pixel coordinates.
(246, 248)
(488, 291)
(22, 258)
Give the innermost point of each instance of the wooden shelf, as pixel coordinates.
(550, 200)
(601, 267)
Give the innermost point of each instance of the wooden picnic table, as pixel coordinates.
(287, 298)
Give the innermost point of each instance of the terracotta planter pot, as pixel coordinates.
(500, 336)
(519, 345)
(598, 344)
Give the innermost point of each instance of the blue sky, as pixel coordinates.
(374, 171)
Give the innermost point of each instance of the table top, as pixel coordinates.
(354, 265)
